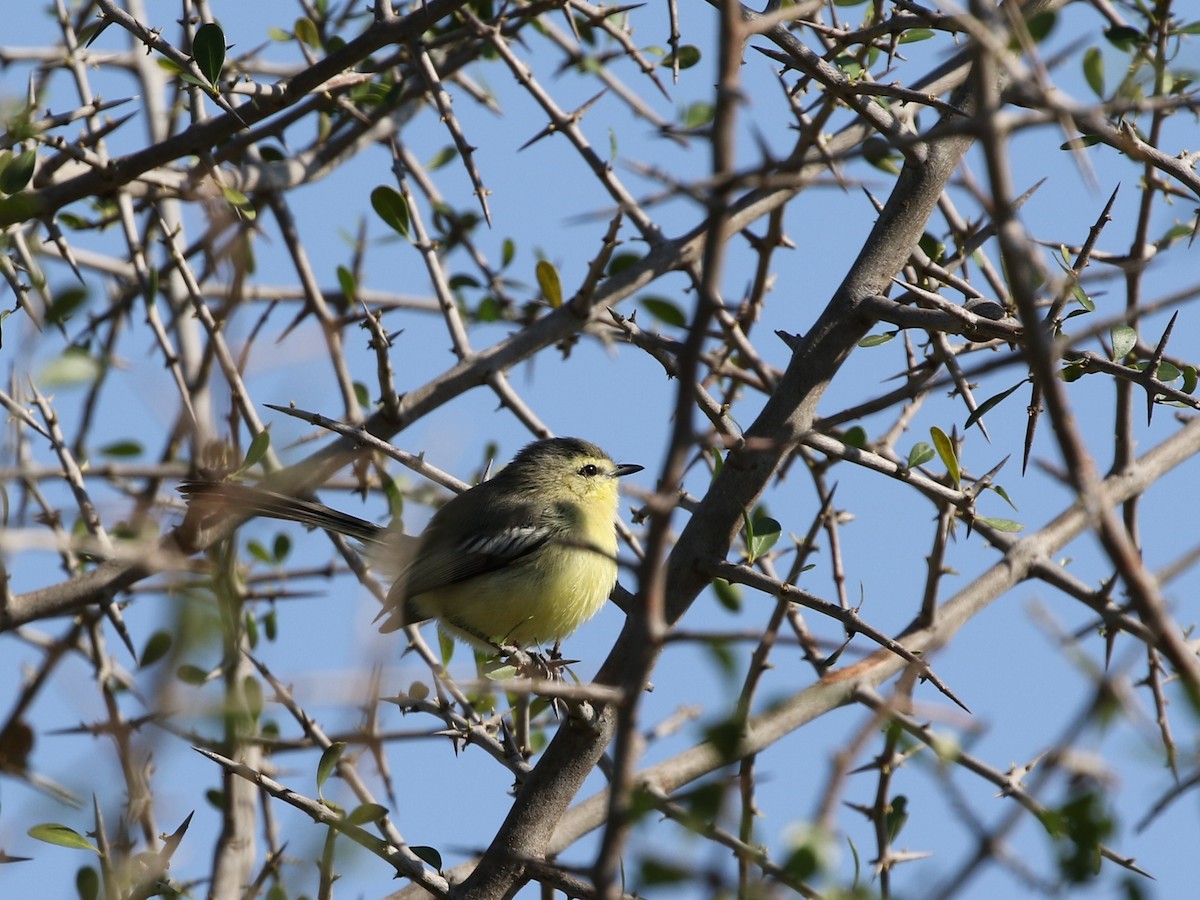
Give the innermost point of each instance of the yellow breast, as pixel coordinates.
(537, 600)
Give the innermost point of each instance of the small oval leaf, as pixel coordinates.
(429, 855)
(547, 279)
(989, 404)
(665, 311)
(190, 674)
(306, 31)
(368, 812)
(258, 449)
(391, 206)
(123, 449)
(156, 648)
(876, 340)
(329, 761)
(762, 534)
(1124, 339)
(208, 50)
(18, 172)
(920, 454)
(53, 833)
(1093, 70)
(945, 449)
(1007, 525)
(687, 57)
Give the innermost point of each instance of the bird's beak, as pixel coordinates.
(626, 469)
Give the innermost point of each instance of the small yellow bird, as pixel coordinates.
(522, 559)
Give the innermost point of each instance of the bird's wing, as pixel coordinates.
(439, 563)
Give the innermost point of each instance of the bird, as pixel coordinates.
(522, 559)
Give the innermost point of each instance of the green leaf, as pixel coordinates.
(912, 35)
(666, 311)
(897, 816)
(728, 595)
(362, 394)
(876, 340)
(1072, 372)
(850, 65)
(1190, 377)
(945, 449)
(150, 291)
(238, 201)
(880, 153)
(428, 855)
(621, 261)
(208, 50)
(124, 449)
(1084, 140)
(1123, 338)
(1007, 525)
(368, 812)
(1123, 37)
(698, 114)
(920, 454)
(348, 284)
(87, 883)
(508, 250)
(1041, 24)
(21, 207)
(258, 449)
(89, 32)
(329, 761)
(855, 437)
(64, 303)
(1003, 493)
(253, 692)
(1079, 295)
(933, 248)
(1093, 70)
(53, 833)
(306, 31)
(1167, 372)
(445, 647)
(75, 366)
(443, 156)
(656, 872)
(18, 172)
(390, 206)
(548, 281)
(761, 534)
(190, 674)
(157, 646)
(688, 56)
(989, 404)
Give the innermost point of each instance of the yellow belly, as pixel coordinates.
(536, 601)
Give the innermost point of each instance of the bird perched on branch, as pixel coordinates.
(522, 559)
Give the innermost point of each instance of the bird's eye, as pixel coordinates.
(591, 470)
